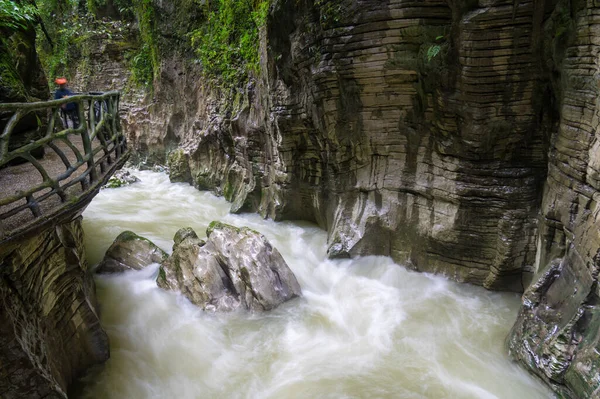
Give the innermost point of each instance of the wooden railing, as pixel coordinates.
(53, 163)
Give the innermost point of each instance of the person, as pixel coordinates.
(69, 111)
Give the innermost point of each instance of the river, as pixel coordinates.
(365, 328)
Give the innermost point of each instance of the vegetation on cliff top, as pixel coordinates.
(14, 19)
(227, 42)
(221, 35)
(15, 16)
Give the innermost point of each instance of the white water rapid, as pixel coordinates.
(365, 328)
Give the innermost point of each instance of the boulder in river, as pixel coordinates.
(121, 178)
(234, 267)
(130, 252)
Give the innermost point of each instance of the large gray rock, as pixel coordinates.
(130, 252)
(235, 267)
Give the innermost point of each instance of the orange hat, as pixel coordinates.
(60, 81)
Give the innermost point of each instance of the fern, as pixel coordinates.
(433, 51)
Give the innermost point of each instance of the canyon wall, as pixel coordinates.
(437, 161)
(557, 334)
(457, 137)
(50, 332)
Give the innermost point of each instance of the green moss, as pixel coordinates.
(114, 182)
(11, 84)
(227, 41)
(331, 12)
(228, 191)
(248, 229)
(203, 182)
(129, 236)
(184, 233)
(214, 225)
(179, 169)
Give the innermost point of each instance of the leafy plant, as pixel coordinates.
(141, 66)
(227, 41)
(15, 16)
(434, 49)
(330, 12)
(148, 57)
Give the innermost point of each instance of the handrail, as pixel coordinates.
(83, 149)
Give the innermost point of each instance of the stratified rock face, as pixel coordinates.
(459, 137)
(130, 252)
(50, 332)
(235, 267)
(391, 124)
(557, 333)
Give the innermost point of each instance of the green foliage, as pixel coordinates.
(141, 66)
(125, 8)
(10, 82)
(563, 21)
(227, 42)
(434, 49)
(331, 12)
(64, 25)
(15, 16)
(70, 42)
(145, 64)
(93, 5)
(73, 26)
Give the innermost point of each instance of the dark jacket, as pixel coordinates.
(61, 93)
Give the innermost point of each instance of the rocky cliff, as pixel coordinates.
(417, 130)
(50, 332)
(458, 137)
(557, 332)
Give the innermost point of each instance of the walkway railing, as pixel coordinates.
(50, 165)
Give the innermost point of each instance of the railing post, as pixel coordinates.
(116, 132)
(87, 144)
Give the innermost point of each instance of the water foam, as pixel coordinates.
(365, 328)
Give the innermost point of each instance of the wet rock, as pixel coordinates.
(235, 267)
(179, 169)
(121, 178)
(50, 332)
(434, 161)
(556, 335)
(130, 252)
(182, 234)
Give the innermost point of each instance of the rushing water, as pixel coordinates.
(365, 328)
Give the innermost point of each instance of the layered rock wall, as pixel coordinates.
(50, 332)
(437, 161)
(557, 332)
(458, 137)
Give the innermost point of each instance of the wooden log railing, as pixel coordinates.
(62, 162)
